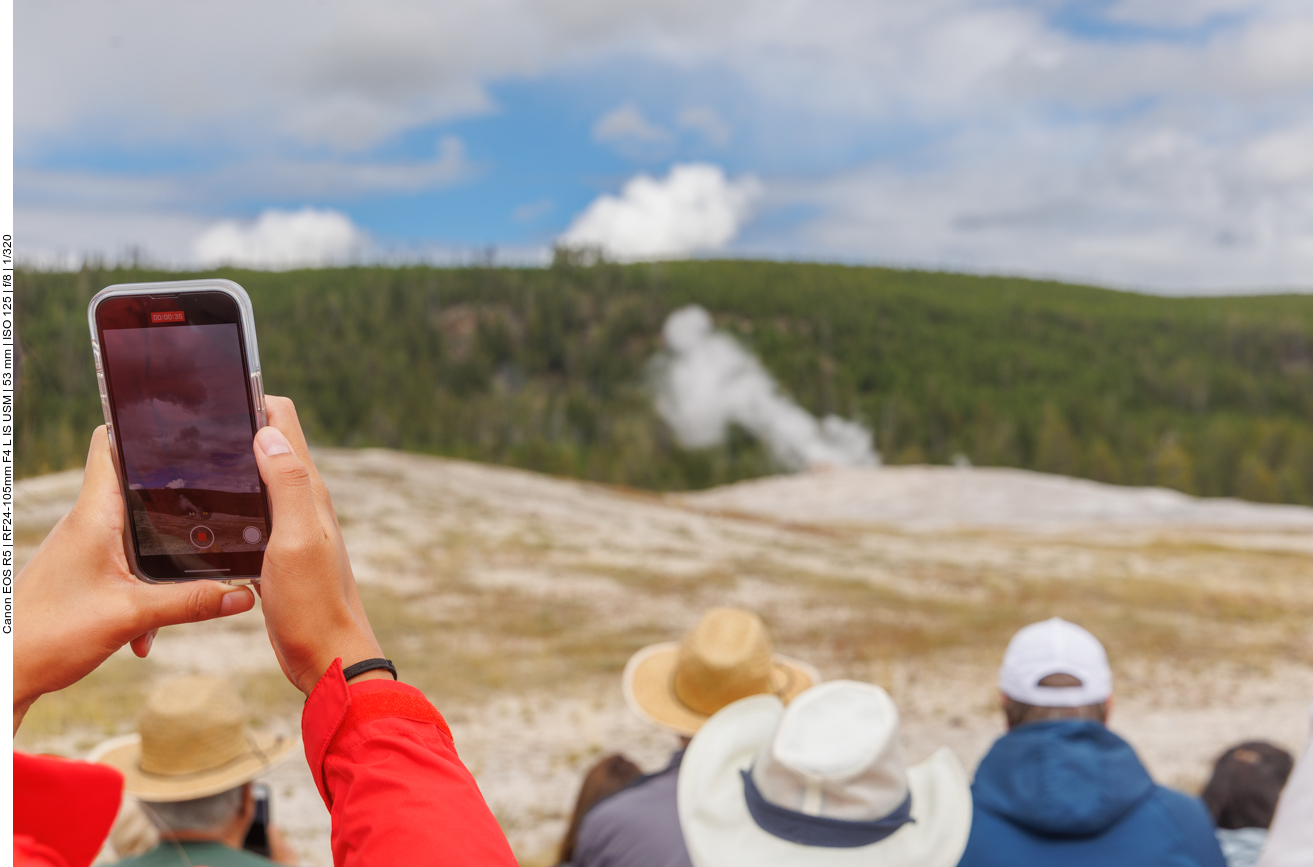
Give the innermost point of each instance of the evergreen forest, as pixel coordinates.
(548, 369)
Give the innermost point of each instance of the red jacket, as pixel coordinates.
(62, 810)
(385, 765)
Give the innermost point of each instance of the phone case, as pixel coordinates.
(238, 294)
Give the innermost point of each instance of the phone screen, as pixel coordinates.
(179, 392)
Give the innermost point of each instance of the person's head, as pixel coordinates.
(822, 782)
(193, 759)
(603, 779)
(1054, 670)
(222, 817)
(1246, 782)
(725, 657)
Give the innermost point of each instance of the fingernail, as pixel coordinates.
(150, 639)
(272, 442)
(230, 602)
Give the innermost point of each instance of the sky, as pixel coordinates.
(1160, 145)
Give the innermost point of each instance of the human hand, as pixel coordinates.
(311, 608)
(76, 602)
(280, 851)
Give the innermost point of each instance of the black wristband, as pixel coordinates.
(365, 665)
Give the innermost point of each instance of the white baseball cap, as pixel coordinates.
(1055, 646)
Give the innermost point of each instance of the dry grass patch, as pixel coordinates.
(505, 641)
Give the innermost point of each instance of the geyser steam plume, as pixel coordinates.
(705, 381)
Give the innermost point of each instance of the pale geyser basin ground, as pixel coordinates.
(513, 600)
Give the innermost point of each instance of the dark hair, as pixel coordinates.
(604, 779)
(1019, 713)
(1246, 782)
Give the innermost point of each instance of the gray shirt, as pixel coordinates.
(636, 827)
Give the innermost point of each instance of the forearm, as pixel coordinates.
(391, 778)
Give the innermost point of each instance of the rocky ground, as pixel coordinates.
(514, 600)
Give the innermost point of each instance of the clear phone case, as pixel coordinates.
(238, 294)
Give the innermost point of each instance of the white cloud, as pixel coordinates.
(1016, 143)
(64, 236)
(1157, 208)
(339, 177)
(625, 124)
(708, 123)
(177, 483)
(1175, 13)
(279, 240)
(694, 209)
(531, 212)
(269, 176)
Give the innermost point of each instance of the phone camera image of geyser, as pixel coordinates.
(185, 429)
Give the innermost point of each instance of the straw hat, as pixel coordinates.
(726, 657)
(823, 782)
(192, 743)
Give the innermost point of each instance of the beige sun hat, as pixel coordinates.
(726, 657)
(192, 742)
(822, 782)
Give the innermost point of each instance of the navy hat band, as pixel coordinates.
(821, 830)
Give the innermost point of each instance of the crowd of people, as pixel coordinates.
(773, 766)
(777, 768)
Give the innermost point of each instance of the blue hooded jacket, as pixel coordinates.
(1072, 793)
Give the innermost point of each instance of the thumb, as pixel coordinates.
(291, 498)
(99, 500)
(188, 602)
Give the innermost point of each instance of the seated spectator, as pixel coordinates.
(191, 767)
(1290, 839)
(820, 782)
(381, 755)
(1059, 787)
(678, 686)
(1242, 796)
(603, 780)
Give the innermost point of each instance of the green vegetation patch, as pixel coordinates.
(546, 369)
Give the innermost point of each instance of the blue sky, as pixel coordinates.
(1160, 144)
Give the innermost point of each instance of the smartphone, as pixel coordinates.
(257, 838)
(179, 377)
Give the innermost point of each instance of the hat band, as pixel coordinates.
(822, 831)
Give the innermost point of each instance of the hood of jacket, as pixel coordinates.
(1065, 778)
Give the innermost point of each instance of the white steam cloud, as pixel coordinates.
(279, 240)
(694, 209)
(705, 381)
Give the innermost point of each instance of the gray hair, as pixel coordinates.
(198, 814)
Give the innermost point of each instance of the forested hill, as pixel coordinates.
(546, 369)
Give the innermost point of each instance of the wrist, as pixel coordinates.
(376, 674)
(350, 653)
(20, 711)
(26, 691)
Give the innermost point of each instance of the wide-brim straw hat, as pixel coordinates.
(726, 657)
(853, 768)
(192, 742)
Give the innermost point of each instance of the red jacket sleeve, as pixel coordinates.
(387, 769)
(29, 853)
(62, 810)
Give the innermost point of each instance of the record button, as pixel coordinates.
(202, 537)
